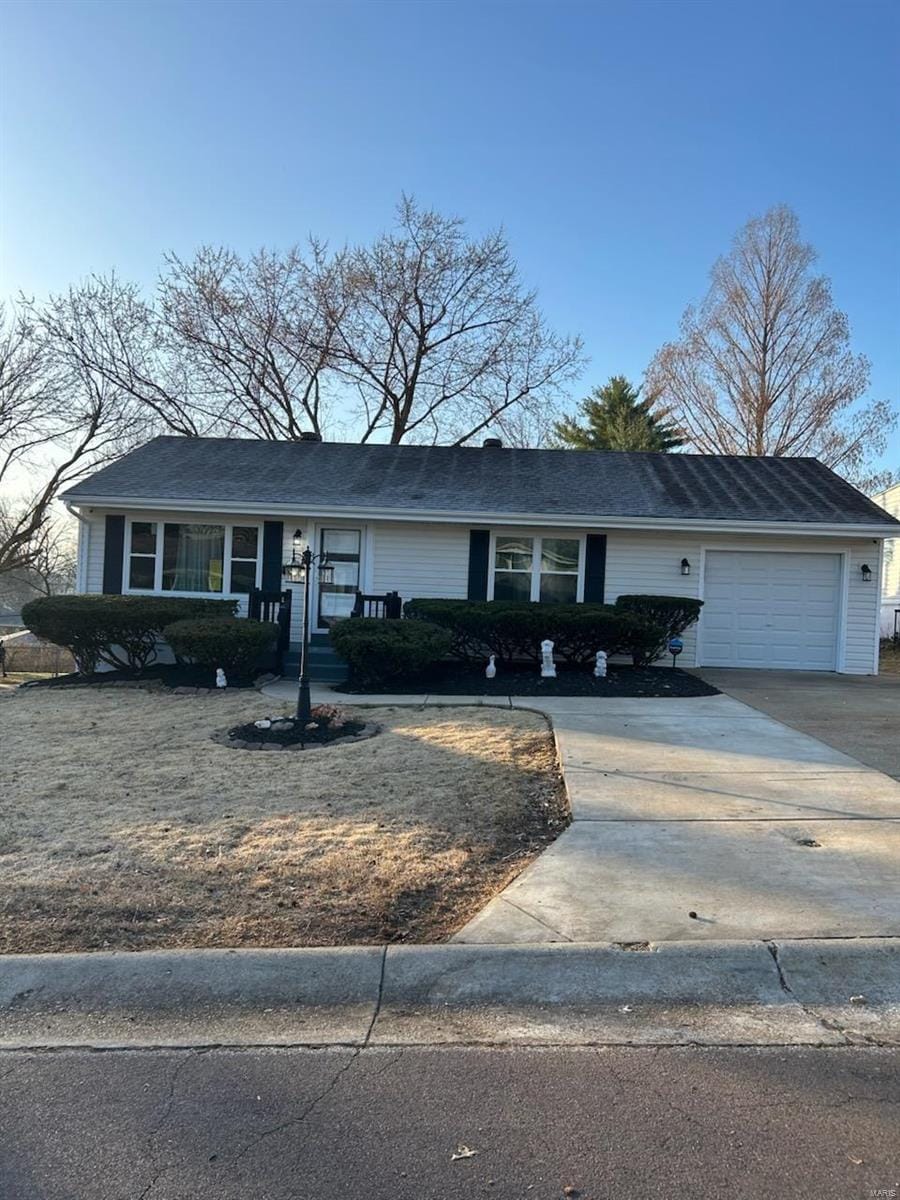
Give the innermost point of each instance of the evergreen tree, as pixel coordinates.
(616, 418)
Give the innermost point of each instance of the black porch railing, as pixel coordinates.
(273, 606)
(387, 607)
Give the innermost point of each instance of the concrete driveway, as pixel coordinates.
(859, 714)
(708, 807)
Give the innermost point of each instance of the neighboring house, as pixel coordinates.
(890, 577)
(785, 554)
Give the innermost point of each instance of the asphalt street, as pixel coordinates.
(451, 1123)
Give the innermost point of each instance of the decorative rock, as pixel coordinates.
(265, 723)
(548, 667)
(270, 746)
(600, 665)
(282, 725)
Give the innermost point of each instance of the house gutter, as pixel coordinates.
(454, 517)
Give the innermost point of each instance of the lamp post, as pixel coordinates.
(299, 570)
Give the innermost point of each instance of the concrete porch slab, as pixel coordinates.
(626, 881)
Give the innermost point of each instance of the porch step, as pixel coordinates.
(324, 664)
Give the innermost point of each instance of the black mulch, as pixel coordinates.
(168, 675)
(325, 730)
(460, 679)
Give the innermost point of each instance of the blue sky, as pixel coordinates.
(620, 144)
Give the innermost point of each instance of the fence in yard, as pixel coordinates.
(29, 655)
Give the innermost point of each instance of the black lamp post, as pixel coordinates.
(299, 570)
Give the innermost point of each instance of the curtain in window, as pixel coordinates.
(192, 558)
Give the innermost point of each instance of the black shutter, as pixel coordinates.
(273, 543)
(595, 568)
(113, 554)
(479, 548)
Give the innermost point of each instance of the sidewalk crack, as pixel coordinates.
(826, 1022)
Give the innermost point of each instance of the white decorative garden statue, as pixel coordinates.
(600, 665)
(491, 669)
(221, 681)
(548, 667)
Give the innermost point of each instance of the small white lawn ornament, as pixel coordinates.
(221, 681)
(600, 665)
(491, 669)
(548, 667)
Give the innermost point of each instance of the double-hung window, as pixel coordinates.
(192, 558)
(527, 567)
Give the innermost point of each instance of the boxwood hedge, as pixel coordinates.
(234, 644)
(119, 631)
(378, 651)
(671, 615)
(515, 630)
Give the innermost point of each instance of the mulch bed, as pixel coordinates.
(159, 674)
(286, 733)
(460, 679)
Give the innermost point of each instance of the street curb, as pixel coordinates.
(673, 993)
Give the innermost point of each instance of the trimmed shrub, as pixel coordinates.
(378, 652)
(118, 631)
(233, 643)
(671, 615)
(515, 630)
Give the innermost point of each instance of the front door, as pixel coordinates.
(336, 599)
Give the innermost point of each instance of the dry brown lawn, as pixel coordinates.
(889, 658)
(123, 826)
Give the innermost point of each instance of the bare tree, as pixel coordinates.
(56, 423)
(253, 336)
(50, 572)
(105, 330)
(437, 337)
(764, 365)
(425, 335)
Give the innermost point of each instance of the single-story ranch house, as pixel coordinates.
(786, 556)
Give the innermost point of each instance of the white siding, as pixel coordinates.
(863, 606)
(651, 563)
(890, 586)
(431, 560)
(648, 562)
(96, 536)
(420, 560)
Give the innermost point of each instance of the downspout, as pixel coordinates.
(84, 545)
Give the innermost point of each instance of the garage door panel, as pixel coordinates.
(770, 609)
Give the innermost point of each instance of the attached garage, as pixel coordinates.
(771, 609)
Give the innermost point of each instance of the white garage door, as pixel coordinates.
(770, 610)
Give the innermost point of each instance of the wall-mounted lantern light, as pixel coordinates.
(866, 571)
(685, 567)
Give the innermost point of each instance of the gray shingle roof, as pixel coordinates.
(461, 479)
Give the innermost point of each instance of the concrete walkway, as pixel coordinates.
(702, 806)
